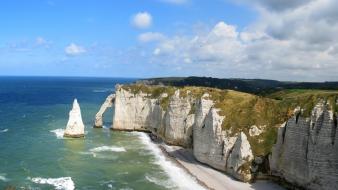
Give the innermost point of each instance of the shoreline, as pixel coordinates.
(206, 176)
(173, 159)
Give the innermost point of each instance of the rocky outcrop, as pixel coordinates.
(216, 147)
(240, 158)
(186, 121)
(306, 149)
(106, 104)
(306, 152)
(75, 126)
(135, 112)
(178, 121)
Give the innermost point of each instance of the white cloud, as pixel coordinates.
(278, 5)
(142, 20)
(73, 49)
(40, 41)
(292, 41)
(150, 37)
(253, 53)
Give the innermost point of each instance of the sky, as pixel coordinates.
(271, 39)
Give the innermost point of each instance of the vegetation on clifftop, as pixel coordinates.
(242, 110)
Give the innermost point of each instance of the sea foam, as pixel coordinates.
(103, 90)
(164, 183)
(62, 183)
(3, 130)
(177, 175)
(108, 148)
(59, 133)
(3, 177)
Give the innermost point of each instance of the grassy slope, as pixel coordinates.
(242, 110)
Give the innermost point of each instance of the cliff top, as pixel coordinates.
(242, 110)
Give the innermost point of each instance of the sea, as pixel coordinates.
(34, 155)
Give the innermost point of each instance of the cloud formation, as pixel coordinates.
(278, 5)
(142, 20)
(150, 37)
(296, 41)
(74, 49)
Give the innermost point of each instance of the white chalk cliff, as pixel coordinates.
(179, 125)
(75, 126)
(306, 152)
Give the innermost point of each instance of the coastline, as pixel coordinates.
(206, 176)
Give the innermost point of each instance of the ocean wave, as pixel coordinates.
(177, 175)
(108, 148)
(108, 184)
(3, 177)
(58, 133)
(62, 183)
(103, 90)
(3, 130)
(164, 183)
(105, 127)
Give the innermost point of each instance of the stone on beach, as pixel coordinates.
(75, 126)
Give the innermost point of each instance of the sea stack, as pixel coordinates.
(75, 126)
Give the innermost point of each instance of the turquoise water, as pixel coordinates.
(33, 154)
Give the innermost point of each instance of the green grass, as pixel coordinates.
(242, 110)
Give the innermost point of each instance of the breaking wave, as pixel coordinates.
(62, 183)
(107, 149)
(164, 183)
(103, 90)
(3, 177)
(58, 133)
(3, 130)
(177, 175)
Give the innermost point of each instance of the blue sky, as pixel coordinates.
(150, 38)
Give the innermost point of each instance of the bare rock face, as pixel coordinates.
(107, 104)
(178, 122)
(216, 148)
(306, 152)
(240, 158)
(185, 122)
(75, 126)
(139, 112)
(134, 112)
(255, 131)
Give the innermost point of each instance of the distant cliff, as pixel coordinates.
(306, 152)
(236, 132)
(255, 86)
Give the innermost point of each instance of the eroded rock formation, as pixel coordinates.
(75, 126)
(108, 103)
(187, 122)
(216, 147)
(306, 152)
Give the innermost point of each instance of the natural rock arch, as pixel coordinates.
(108, 103)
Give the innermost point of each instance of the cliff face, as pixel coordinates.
(306, 152)
(134, 111)
(188, 122)
(216, 147)
(216, 124)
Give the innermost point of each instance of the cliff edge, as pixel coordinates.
(238, 133)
